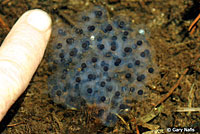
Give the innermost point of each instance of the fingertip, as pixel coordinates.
(38, 19)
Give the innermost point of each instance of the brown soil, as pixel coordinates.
(175, 50)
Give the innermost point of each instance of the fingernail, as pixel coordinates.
(39, 19)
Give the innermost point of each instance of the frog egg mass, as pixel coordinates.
(101, 63)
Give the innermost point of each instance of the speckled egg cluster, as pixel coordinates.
(100, 62)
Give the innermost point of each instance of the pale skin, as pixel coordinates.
(20, 54)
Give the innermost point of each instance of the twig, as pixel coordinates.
(3, 24)
(193, 25)
(177, 83)
(137, 130)
(173, 88)
(57, 121)
(5, 2)
(188, 109)
(12, 125)
(122, 119)
(191, 97)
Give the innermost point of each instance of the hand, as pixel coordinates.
(20, 55)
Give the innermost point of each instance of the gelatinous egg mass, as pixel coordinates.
(100, 62)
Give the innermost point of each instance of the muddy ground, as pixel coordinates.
(175, 50)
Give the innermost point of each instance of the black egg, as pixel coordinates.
(139, 43)
(127, 49)
(78, 79)
(58, 93)
(61, 55)
(108, 28)
(105, 68)
(70, 41)
(137, 62)
(132, 89)
(103, 84)
(89, 90)
(109, 88)
(98, 13)
(94, 59)
(117, 62)
(85, 18)
(79, 31)
(121, 24)
(83, 65)
(100, 46)
(150, 70)
(140, 92)
(117, 94)
(59, 45)
(91, 28)
(128, 75)
(114, 37)
(103, 98)
(142, 54)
